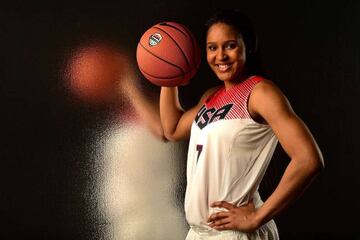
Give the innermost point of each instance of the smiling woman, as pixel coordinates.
(233, 132)
(226, 53)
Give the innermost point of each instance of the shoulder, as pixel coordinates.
(265, 86)
(267, 98)
(208, 93)
(267, 91)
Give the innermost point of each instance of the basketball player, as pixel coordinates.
(233, 132)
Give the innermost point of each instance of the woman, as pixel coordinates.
(234, 130)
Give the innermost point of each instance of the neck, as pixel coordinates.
(230, 84)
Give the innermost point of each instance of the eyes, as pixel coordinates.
(228, 45)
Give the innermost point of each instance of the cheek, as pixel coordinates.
(209, 57)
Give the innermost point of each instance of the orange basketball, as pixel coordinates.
(168, 54)
(93, 73)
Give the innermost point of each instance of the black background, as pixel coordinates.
(310, 49)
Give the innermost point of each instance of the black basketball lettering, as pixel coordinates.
(206, 118)
(201, 111)
(221, 113)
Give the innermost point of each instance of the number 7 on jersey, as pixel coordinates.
(199, 150)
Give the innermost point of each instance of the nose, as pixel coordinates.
(221, 55)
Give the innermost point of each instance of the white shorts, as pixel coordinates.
(266, 232)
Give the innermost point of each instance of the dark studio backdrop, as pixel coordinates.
(52, 150)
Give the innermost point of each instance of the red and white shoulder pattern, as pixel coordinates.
(230, 104)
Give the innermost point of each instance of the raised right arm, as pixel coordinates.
(175, 121)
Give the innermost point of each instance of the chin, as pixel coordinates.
(224, 78)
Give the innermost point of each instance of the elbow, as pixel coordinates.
(312, 165)
(316, 165)
(175, 136)
(170, 137)
(319, 159)
(319, 162)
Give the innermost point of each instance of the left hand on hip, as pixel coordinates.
(236, 218)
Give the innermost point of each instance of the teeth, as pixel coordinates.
(223, 67)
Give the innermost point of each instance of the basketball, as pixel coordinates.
(168, 54)
(93, 72)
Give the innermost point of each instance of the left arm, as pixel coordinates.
(147, 110)
(268, 103)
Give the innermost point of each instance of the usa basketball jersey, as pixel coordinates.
(228, 154)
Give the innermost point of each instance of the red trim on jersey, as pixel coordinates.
(238, 95)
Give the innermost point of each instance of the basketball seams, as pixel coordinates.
(172, 26)
(195, 59)
(163, 65)
(159, 81)
(147, 50)
(196, 54)
(181, 50)
(172, 77)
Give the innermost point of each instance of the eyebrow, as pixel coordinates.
(232, 40)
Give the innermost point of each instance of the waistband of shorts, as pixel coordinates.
(208, 231)
(267, 228)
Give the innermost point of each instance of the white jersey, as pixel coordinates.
(228, 154)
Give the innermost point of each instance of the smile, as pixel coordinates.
(223, 67)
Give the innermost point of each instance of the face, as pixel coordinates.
(225, 52)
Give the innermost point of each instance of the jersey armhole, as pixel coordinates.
(256, 80)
